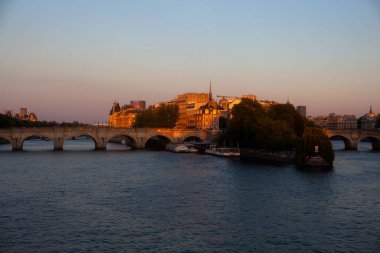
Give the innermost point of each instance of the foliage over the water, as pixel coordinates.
(280, 127)
(165, 116)
(253, 126)
(312, 137)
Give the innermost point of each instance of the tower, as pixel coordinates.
(210, 93)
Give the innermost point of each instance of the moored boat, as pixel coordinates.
(181, 148)
(224, 152)
(316, 162)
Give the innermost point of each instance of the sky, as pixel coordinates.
(69, 60)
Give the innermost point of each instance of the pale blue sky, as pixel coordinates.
(68, 60)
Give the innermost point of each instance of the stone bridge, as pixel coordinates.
(138, 137)
(351, 138)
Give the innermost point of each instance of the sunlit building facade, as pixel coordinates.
(124, 116)
(22, 115)
(188, 103)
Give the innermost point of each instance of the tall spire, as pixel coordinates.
(210, 93)
(370, 109)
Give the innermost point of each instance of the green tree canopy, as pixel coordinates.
(255, 127)
(165, 116)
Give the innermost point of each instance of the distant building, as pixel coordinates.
(124, 116)
(333, 121)
(205, 116)
(319, 120)
(188, 102)
(301, 109)
(199, 110)
(22, 115)
(342, 122)
(195, 110)
(8, 113)
(368, 120)
(138, 104)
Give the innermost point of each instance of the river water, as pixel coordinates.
(144, 201)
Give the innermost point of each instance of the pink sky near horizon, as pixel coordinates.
(69, 62)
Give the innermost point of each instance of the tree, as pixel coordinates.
(312, 137)
(222, 123)
(287, 114)
(278, 128)
(165, 116)
(255, 127)
(6, 121)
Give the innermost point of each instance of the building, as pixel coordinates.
(187, 104)
(199, 110)
(301, 109)
(320, 121)
(368, 120)
(333, 121)
(22, 115)
(205, 116)
(195, 110)
(138, 104)
(124, 116)
(341, 122)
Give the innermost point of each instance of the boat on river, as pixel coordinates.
(224, 152)
(316, 162)
(181, 148)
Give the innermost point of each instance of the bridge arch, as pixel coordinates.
(192, 138)
(5, 143)
(348, 143)
(157, 142)
(129, 140)
(75, 135)
(6, 138)
(375, 142)
(40, 137)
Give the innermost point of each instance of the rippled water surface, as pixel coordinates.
(127, 201)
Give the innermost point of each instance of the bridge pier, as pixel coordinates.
(101, 143)
(58, 143)
(351, 145)
(376, 145)
(16, 144)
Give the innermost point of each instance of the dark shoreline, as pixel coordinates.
(262, 156)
